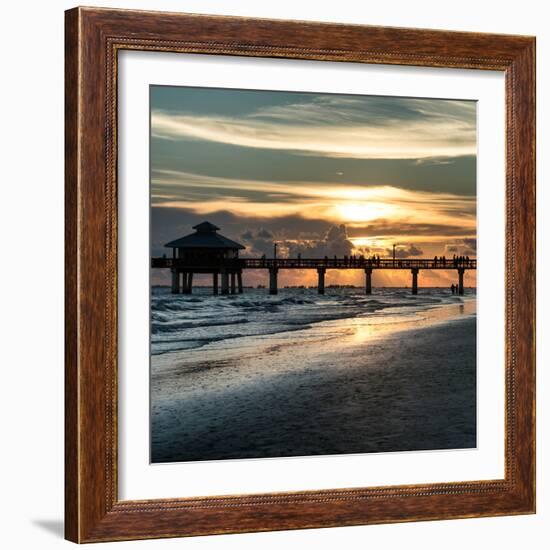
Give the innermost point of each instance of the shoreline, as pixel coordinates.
(376, 323)
(345, 386)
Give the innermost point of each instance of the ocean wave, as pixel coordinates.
(194, 343)
(176, 326)
(180, 322)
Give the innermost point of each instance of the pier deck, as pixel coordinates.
(230, 270)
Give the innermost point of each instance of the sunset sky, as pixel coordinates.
(320, 174)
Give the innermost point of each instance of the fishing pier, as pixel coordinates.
(206, 251)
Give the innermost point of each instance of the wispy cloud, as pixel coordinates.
(338, 203)
(381, 128)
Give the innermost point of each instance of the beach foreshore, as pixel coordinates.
(359, 385)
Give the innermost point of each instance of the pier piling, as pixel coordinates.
(214, 283)
(185, 280)
(368, 280)
(240, 281)
(225, 282)
(461, 281)
(175, 282)
(182, 282)
(321, 280)
(414, 272)
(273, 280)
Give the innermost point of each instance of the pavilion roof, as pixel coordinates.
(205, 236)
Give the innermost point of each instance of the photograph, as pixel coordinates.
(313, 274)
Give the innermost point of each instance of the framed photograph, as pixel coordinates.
(300, 275)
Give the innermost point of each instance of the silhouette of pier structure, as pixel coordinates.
(206, 251)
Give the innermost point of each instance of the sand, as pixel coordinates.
(346, 386)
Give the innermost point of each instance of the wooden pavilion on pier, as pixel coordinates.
(206, 251)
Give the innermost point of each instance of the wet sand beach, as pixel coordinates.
(398, 382)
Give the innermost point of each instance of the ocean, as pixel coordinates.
(186, 322)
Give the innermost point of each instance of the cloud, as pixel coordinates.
(434, 161)
(367, 128)
(334, 243)
(471, 243)
(258, 242)
(355, 205)
(264, 234)
(404, 251)
(463, 247)
(407, 228)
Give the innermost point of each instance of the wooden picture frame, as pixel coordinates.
(93, 39)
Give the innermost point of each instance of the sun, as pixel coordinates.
(359, 242)
(361, 211)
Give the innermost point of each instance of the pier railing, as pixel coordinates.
(231, 270)
(316, 263)
(356, 263)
